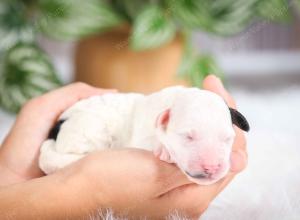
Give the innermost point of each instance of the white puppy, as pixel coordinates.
(186, 126)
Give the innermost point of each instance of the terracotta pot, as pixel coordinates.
(106, 61)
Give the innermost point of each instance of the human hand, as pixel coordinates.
(20, 150)
(134, 183)
(195, 198)
(153, 188)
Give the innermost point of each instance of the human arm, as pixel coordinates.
(48, 197)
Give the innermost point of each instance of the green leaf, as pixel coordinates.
(189, 13)
(188, 61)
(74, 19)
(274, 10)
(235, 17)
(188, 58)
(223, 17)
(204, 66)
(131, 8)
(151, 29)
(195, 68)
(25, 72)
(14, 25)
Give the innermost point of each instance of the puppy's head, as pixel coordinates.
(197, 132)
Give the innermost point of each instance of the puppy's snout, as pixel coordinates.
(211, 169)
(205, 170)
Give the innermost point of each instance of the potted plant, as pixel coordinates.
(130, 45)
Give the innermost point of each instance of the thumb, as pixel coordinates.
(214, 84)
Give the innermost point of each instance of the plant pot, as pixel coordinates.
(106, 61)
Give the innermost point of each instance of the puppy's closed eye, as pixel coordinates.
(227, 137)
(189, 136)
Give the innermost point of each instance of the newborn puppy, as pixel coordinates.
(186, 126)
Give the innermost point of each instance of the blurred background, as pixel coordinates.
(143, 46)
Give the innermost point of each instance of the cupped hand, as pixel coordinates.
(130, 181)
(135, 183)
(194, 199)
(20, 150)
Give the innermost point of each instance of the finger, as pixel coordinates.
(214, 84)
(78, 90)
(240, 142)
(161, 176)
(169, 177)
(191, 199)
(66, 96)
(52, 104)
(238, 161)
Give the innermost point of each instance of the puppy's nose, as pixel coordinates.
(211, 168)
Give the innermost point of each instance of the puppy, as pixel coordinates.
(186, 126)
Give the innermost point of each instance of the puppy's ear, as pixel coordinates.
(162, 120)
(239, 120)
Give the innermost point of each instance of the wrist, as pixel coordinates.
(8, 176)
(79, 190)
(19, 160)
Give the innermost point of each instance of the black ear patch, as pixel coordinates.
(54, 131)
(239, 120)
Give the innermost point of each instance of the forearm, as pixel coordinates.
(51, 197)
